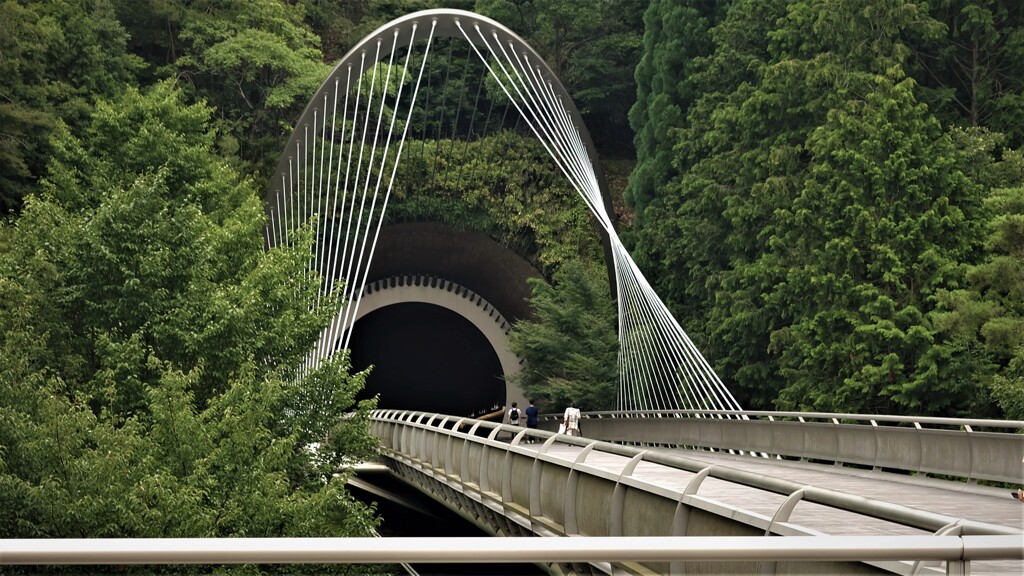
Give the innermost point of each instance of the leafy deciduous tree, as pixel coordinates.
(56, 58)
(148, 349)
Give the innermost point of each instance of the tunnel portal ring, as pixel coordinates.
(458, 299)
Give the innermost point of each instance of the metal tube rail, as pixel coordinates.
(866, 418)
(969, 449)
(912, 517)
(487, 550)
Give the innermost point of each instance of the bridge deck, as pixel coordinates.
(979, 503)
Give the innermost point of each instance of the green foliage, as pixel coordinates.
(339, 24)
(56, 58)
(149, 346)
(735, 158)
(523, 200)
(676, 34)
(592, 46)
(257, 64)
(861, 283)
(571, 348)
(970, 64)
(169, 244)
(986, 318)
(813, 209)
(901, 223)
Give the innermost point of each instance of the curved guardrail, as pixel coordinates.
(971, 449)
(507, 488)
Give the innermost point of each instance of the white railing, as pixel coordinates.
(470, 449)
(971, 449)
(95, 551)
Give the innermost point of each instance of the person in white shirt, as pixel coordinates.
(514, 414)
(571, 421)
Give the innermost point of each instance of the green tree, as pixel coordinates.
(56, 58)
(342, 23)
(571, 348)
(970, 64)
(985, 320)
(592, 46)
(676, 35)
(255, 62)
(735, 155)
(881, 224)
(149, 349)
(813, 209)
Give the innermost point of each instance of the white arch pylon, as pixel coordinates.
(347, 179)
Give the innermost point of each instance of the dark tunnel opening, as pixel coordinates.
(427, 358)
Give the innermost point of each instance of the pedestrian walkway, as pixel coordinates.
(958, 500)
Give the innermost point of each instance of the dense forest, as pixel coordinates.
(829, 195)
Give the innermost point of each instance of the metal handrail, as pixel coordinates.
(886, 511)
(970, 449)
(95, 551)
(743, 414)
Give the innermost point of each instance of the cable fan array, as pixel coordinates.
(339, 171)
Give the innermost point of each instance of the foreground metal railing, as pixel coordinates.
(953, 549)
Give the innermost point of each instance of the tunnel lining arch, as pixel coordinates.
(458, 299)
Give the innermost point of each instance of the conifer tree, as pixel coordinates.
(676, 34)
(969, 64)
(881, 223)
(984, 321)
(571, 347)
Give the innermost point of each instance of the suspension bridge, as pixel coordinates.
(648, 485)
(342, 165)
(679, 457)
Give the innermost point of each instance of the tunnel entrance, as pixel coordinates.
(427, 358)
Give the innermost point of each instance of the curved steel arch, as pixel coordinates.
(659, 366)
(446, 20)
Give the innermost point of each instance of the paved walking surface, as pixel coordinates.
(978, 503)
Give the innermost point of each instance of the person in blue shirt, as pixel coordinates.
(531, 420)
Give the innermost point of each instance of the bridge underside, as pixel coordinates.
(430, 357)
